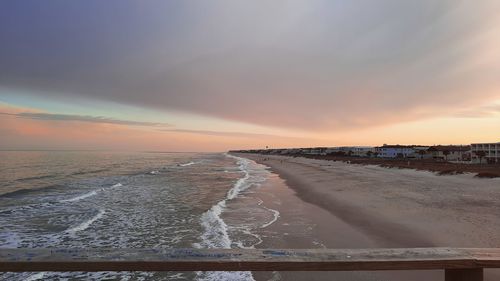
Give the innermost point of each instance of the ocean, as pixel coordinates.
(87, 199)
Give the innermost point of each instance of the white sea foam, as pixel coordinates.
(216, 234)
(187, 164)
(9, 240)
(117, 185)
(178, 276)
(84, 225)
(79, 197)
(36, 276)
(225, 275)
(216, 231)
(154, 172)
(276, 215)
(241, 184)
(248, 231)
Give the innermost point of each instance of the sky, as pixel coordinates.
(220, 75)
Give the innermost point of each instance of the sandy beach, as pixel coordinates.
(338, 205)
(431, 165)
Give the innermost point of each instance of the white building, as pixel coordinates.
(318, 150)
(357, 151)
(420, 152)
(491, 152)
(450, 152)
(362, 151)
(394, 151)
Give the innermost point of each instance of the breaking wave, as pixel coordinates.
(216, 231)
(80, 197)
(84, 225)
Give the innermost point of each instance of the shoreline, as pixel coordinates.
(304, 225)
(361, 206)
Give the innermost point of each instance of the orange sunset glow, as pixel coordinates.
(337, 80)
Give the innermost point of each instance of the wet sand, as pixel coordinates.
(338, 205)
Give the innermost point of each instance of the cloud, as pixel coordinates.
(228, 134)
(480, 112)
(81, 118)
(297, 64)
(29, 133)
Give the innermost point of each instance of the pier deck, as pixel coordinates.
(458, 263)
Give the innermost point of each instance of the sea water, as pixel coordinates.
(130, 200)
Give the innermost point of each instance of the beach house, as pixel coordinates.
(420, 152)
(356, 151)
(394, 151)
(450, 152)
(485, 152)
(362, 151)
(318, 151)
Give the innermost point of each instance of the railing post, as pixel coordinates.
(467, 274)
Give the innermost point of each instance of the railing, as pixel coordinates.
(458, 263)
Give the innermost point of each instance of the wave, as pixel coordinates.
(80, 197)
(216, 230)
(216, 234)
(28, 207)
(84, 225)
(9, 240)
(240, 185)
(224, 275)
(90, 172)
(276, 215)
(49, 203)
(117, 185)
(35, 178)
(36, 276)
(24, 191)
(154, 172)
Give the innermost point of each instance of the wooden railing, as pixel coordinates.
(458, 263)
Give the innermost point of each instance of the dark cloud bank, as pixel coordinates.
(297, 64)
(82, 118)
